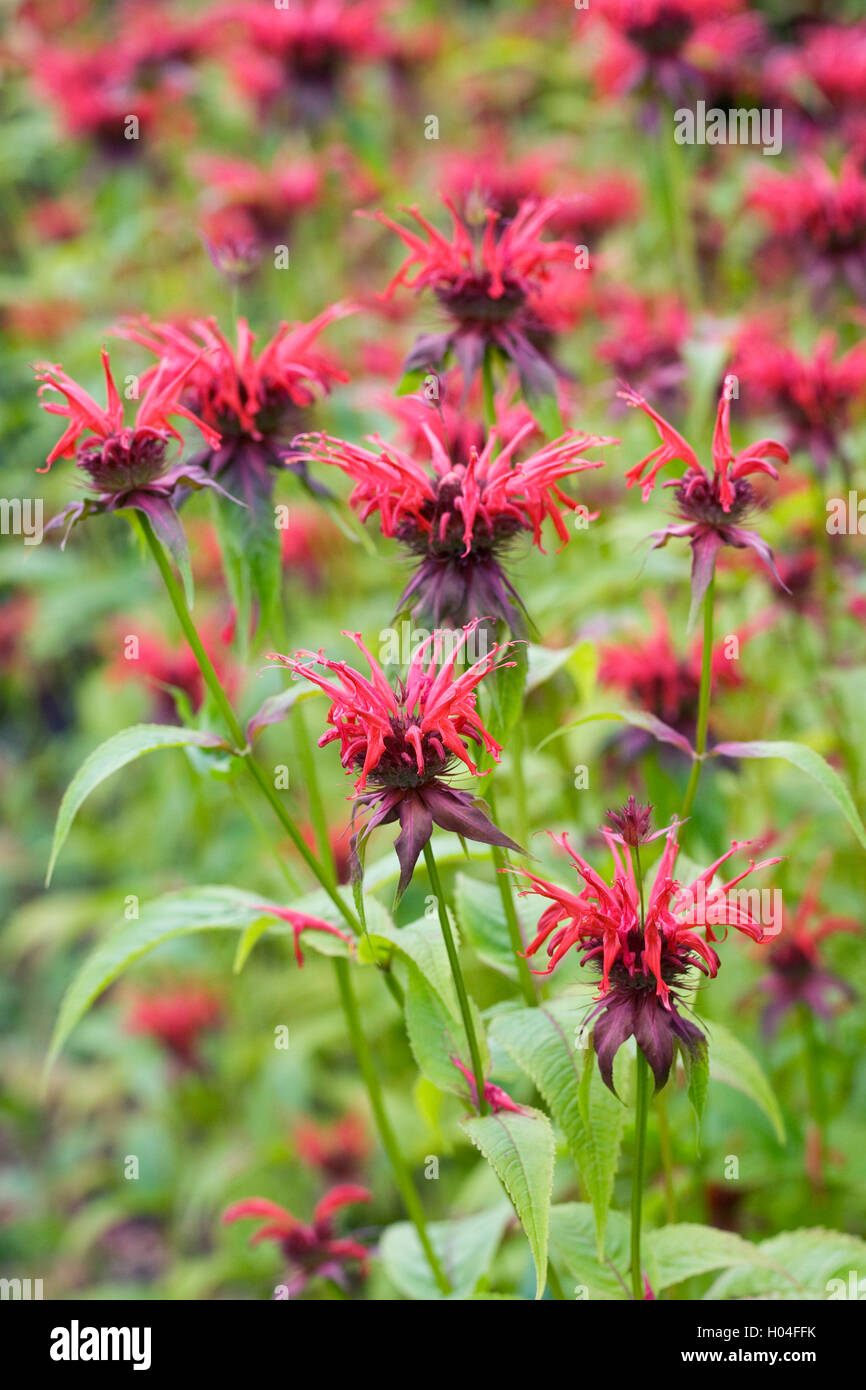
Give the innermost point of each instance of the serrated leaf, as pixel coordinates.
(505, 688)
(697, 1067)
(543, 1041)
(110, 757)
(482, 921)
(686, 1249)
(210, 908)
(521, 1151)
(573, 1247)
(465, 1248)
(801, 756)
(732, 1062)
(807, 1259)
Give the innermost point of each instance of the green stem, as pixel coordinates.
(341, 967)
(517, 750)
(682, 230)
(374, 1091)
(310, 772)
(667, 1157)
(231, 722)
(704, 698)
(457, 974)
(488, 393)
(811, 1052)
(641, 1108)
(509, 909)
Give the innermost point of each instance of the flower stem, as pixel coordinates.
(703, 700)
(457, 974)
(383, 1124)
(680, 221)
(667, 1156)
(341, 967)
(815, 1161)
(509, 909)
(487, 390)
(230, 719)
(641, 1108)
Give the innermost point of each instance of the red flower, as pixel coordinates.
(711, 504)
(176, 1019)
(643, 960)
(654, 675)
(405, 740)
(496, 1098)
(301, 922)
(339, 1149)
(251, 209)
(483, 278)
(644, 344)
(256, 400)
(311, 1251)
(797, 976)
(457, 515)
(814, 394)
(127, 465)
(667, 47)
(817, 221)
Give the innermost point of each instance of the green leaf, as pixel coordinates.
(804, 1263)
(465, 1248)
(505, 688)
(732, 1062)
(638, 719)
(573, 1247)
(521, 1151)
(112, 755)
(210, 908)
(482, 921)
(801, 756)
(687, 1249)
(544, 1042)
(697, 1067)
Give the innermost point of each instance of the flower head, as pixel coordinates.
(644, 960)
(711, 504)
(402, 742)
(483, 279)
(257, 400)
(496, 1098)
(310, 1251)
(817, 222)
(338, 1149)
(815, 394)
(457, 515)
(796, 975)
(176, 1019)
(127, 465)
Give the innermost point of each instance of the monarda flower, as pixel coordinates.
(405, 742)
(815, 395)
(458, 515)
(644, 344)
(796, 976)
(248, 210)
(127, 465)
(256, 401)
(666, 48)
(657, 678)
(483, 278)
(645, 961)
(711, 504)
(314, 1251)
(817, 222)
(176, 1019)
(339, 1150)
